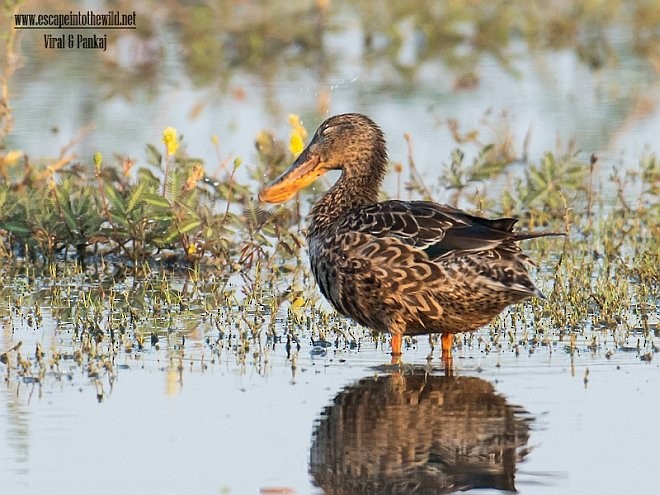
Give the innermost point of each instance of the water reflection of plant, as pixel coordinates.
(217, 40)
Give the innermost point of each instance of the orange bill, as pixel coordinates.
(305, 170)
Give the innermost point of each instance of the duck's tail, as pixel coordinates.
(521, 236)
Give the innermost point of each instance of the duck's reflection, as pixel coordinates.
(415, 433)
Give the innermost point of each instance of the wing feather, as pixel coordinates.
(439, 230)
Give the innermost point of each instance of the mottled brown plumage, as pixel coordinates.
(417, 433)
(403, 267)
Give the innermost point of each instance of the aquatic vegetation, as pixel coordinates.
(129, 256)
(48, 211)
(125, 265)
(154, 281)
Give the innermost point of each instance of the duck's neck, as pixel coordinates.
(357, 186)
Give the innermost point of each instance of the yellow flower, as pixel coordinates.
(297, 303)
(98, 159)
(296, 145)
(9, 160)
(11, 157)
(298, 135)
(171, 140)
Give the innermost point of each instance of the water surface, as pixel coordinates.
(541, 421)
(195, 414)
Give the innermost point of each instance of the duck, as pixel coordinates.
(466, 435)
(405, 268)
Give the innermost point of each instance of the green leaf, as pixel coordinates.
(173, 183)
(14, 227)
(174, 233)
(115, 198)
(120, 219)
(66, 209)
(147, 176)
(156, 200)
(153, 155)
(191, 224)
(136, 197)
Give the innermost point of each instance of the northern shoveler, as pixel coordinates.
(403, 267)
(465, 435)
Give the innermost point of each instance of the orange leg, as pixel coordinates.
(397, 339)
(447, 341)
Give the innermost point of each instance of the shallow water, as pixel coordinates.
(550, 94)
(187, 418)
(533, 418)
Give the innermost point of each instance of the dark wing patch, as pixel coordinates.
(438, 230)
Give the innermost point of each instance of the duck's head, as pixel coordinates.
(350, 142)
